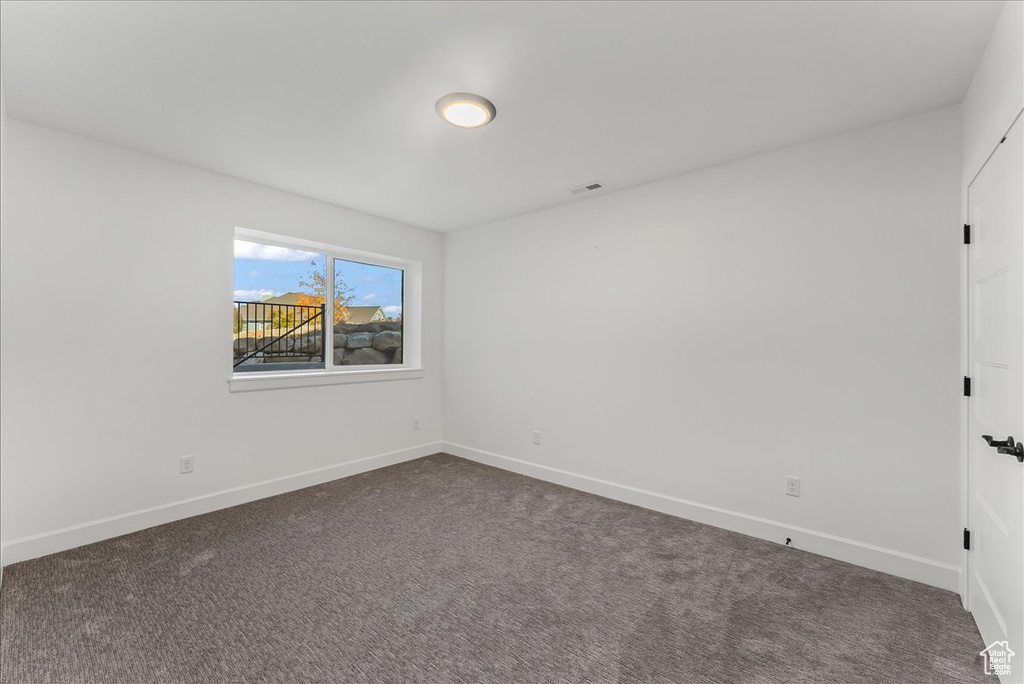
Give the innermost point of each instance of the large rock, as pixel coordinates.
(359, 327)
(364, 357)
(397, 358)
(360, 340)
(339, 356)
(340, 340)
(304, 343)
(387, 340)
(243, 345)
(392, 325)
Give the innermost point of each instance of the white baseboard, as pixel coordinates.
(924, 570)
(37, 545)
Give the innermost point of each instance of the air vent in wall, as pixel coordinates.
(589, 187)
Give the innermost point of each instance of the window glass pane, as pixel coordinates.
(367, 314)
(278, 308)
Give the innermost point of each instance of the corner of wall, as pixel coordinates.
(996, 95)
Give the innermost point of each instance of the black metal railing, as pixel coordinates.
(266, 332)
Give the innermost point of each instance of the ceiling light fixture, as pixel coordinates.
(465, 110)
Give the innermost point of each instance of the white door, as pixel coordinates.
(995, 201)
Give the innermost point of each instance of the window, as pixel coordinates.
(279, 321)
(286, 325)
(367, 314)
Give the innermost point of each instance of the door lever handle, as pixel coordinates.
(1008, 442)
(1016, 450)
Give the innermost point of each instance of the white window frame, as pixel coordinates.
(331, 374)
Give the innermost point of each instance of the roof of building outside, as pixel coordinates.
(362, 314)
(357, 314)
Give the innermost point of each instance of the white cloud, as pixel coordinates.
(255, 250)
(368, 297)
(393, 309)
(253, 295)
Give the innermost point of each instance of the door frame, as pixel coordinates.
(965, 363)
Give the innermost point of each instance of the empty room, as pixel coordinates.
(511, 342)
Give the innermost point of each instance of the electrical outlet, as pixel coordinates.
(792, 486)
(415, 423)
(536, 438)
(187, 464)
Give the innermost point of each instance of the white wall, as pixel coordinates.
(116, 272)
(701, 338)
(996, 95)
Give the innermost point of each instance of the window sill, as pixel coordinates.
(252, 382)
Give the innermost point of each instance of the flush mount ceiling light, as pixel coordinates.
(465, 110)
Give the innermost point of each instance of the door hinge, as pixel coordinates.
(967, 233)
(967, 386)
(967, 539)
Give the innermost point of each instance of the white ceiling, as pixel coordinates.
(336, 100)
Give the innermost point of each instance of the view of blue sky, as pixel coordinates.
(262, 269)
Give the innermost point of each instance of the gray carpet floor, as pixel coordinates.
(443, 570)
